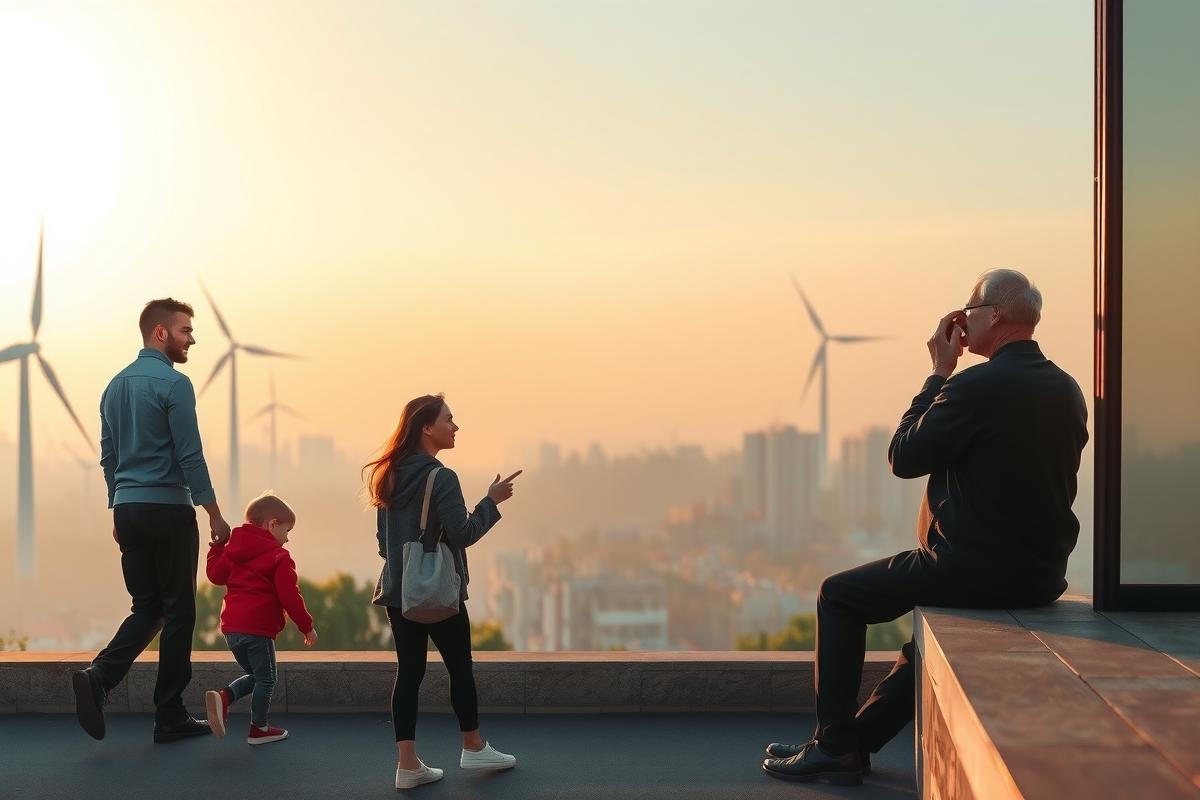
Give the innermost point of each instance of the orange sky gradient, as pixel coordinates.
(577, 222)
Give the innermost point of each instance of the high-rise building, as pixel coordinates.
(517, 587)
(872, 498)
(781, 483)
(549, 457)
(754, 473)
(793, 485)
(316, 450)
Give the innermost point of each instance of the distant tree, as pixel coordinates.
(14, 641)
(488, 635)
(342, 613)
(801, 634)
(890, 635)
(207, 635)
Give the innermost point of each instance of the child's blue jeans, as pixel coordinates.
(256, 655)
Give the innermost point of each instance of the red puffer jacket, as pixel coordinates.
(262, 581)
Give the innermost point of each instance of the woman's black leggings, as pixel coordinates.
(452, 637)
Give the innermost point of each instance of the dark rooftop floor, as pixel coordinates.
(609, 756)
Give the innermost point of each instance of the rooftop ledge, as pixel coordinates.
(507, 682)
(1057, 702)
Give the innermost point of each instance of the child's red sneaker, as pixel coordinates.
(265, 735)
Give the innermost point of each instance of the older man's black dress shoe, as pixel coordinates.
(184, 729)
(89, 702)
(812, 763)
(780, 750)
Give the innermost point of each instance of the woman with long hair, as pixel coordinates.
(396, 483)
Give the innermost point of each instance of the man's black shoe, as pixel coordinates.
(812, 763)
(89, 702)
(186, 729)
(779, 750)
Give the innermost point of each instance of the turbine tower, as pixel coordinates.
(272, 408)
(230, 358)
(821, 361)
(26, 554)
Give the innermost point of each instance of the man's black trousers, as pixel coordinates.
(160, 548)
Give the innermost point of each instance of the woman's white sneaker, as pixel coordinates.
(408, 778)
(487, 758)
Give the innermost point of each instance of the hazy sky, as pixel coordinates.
(576, 219)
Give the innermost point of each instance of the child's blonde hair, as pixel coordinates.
(266, 507)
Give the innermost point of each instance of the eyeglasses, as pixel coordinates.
(979, 305)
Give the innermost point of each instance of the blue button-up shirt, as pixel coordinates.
(149, 439)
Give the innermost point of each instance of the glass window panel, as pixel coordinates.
(1160, 474)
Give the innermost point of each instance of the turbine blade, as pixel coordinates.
(259, 413)
(812, 314)
(290, 410)
(57, 387)
(220, 365)
(15, 352)
(262, 351)
(817, 361)
(855, 339)
(216, 312)
(36, 316)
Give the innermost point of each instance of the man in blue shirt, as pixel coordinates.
(154, 466)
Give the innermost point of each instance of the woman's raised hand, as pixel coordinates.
(501, 490)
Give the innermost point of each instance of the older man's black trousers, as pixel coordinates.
(878, 592)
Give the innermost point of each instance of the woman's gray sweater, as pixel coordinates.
(399, 522)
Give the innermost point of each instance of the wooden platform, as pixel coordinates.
(1058, 702)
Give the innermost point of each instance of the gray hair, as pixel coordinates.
(1013, 294)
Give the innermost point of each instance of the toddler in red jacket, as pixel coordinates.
(262, 584)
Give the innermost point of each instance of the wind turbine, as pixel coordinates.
(26, 556)
(821, 361)
(230, 358)
(271, 408)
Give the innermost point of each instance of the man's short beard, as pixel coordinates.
(177, 354)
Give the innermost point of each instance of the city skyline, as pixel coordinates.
(700, 507)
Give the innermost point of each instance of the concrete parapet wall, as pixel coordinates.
(507, 682)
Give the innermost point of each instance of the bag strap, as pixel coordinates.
(425, 504)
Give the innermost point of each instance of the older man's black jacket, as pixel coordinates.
(1000, 443)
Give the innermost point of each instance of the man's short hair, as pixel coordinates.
(1014, 296)
(159, 312)
(266, 507)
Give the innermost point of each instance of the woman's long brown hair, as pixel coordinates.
(403, 442)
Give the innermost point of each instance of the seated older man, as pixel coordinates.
(1001, 443)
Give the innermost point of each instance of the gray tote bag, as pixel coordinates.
(429, 586)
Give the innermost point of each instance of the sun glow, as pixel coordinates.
(62, 144)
